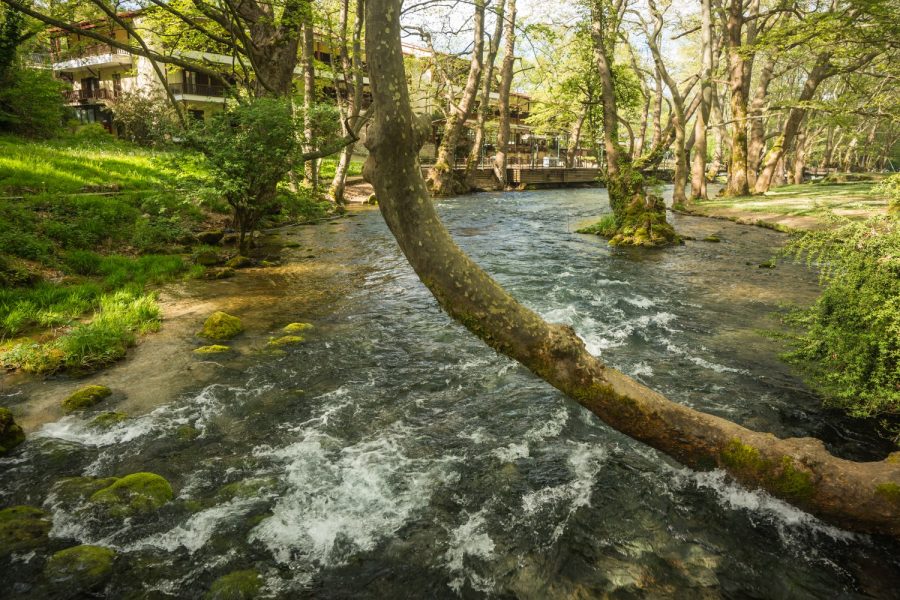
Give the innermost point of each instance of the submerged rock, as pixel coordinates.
(11, 435)
(769, 264)
(238, 585)
(85, 397)
(285, 340)
(712, 238)
(138, 493)
(212, 349)
(81, 568)
(297, 327)
(221, 326)
(76, 490)
(187, 433)
(22, 528)
(108, 419)
(219, 273)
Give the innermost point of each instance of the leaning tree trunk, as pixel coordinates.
(785, 141)
(506, 75)
(442, 176)
(859, 496)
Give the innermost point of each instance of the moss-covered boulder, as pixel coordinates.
(221, 326)
(218, 273)
(238, 585)
(107, 419)
(187, 433)
(712, 238)
(293, 328)
(11, 435)
(239, 262)
(85, 397)
(208, 258)
(80, 569)
(22, 528)
(285, 340)
(72, 491)
(210, 238)
(212, 349)
(138, 493)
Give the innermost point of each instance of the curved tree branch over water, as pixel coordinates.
(859, 496)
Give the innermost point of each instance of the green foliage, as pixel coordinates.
(848, 344)
(145, 119)
(890, 188)
(249, 149)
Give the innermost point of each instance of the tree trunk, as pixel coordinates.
(311, 167)
(860, 496)
(442, 176)
(757, 124)
(574, 139)
(737, 173)
(819, 73)
(506, 75)
(698, 167)
(355, 71)
(484, 110)
(657, 110)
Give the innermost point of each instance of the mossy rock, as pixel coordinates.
(187, 433)
(138, 493)
(81, 568)
(372, 199)
(239, 262)
(212, 349)
(285, 340)
(237, 585)
(221, 326)
(76, 490)
(108, 419)
(769, 264)
(219, 273)
(268, 263)
(208, 258)
(85, 397)
(22, 528)
(210, 237)
(245, 488)
(11, 435)
(291, 328)
(712, 238)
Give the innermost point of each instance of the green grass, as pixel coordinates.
(327, 167)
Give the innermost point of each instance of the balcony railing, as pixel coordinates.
(87, 51)
(197, 89)
(86, 95)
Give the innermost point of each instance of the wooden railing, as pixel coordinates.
(85, 95)
(196, 89)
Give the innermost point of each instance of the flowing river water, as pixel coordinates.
(393, 455)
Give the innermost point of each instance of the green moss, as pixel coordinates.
(742, 457)
(108, 419)
(238, 585)
(285, 340)
(11, 435)
(134, 494)
(187, 433)
(239, 262)
(712, 238)
(85, 397)
(221, 326)
(297, 327)
(246, 488)
(889, 491)
(22, 528)
(213, 349)
(75, 490)
(769, 264)
(81, 568)
(782, 478)
(792, 482)
(218, 273)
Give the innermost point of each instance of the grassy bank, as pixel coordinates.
(799, 207)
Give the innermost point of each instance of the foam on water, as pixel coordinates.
(470, 539)
(699, 361)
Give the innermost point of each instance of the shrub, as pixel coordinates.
(146, 119)
(890, 187)
(848, 345)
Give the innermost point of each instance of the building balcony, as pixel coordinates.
(89, 96)
(97, 55)
(197, 92)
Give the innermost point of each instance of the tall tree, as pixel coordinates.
(487, 81)
(506, 76)
(698, 166)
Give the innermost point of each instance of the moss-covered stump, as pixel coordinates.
(285, 340)
(85, 397)
(212, 349)
(22, 528)
(80, 569)
(238, 585)
(641, 223)
(11, 435)
(107, 419)
(221, 326)
(138, 493)
(293, 328)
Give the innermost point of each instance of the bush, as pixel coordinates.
(848, 345)
(890, 187)
(31, 103)
(146, 119)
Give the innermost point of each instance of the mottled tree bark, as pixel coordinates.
(698, 166)
(574, 139)
(859, 496)
(310, 167)
(442, 177)
(506, 75)
(757, 141)
(737, 81)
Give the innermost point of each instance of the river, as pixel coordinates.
(393, 455)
